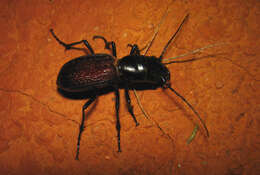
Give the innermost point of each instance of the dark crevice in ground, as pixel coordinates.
(38, 101)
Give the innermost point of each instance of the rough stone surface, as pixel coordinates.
(39, 127)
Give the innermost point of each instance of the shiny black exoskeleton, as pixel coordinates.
(95, 72)
(143, 72)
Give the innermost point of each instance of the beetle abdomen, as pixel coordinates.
(87, 73)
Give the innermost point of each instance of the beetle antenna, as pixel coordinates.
(147, 47)
(174, 35)
(182, 61)
(157, 30)
(197, 114)
(189, 53)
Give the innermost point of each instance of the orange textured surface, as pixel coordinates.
(39, 127)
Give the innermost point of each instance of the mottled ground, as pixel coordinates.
(39, 127)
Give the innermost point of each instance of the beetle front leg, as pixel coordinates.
(118, 126)
(81, 128)
(135, 49)
(70, 46)
(129, 106)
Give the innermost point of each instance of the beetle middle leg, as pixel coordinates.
(108, 44)
(81, 128)
(70, 46)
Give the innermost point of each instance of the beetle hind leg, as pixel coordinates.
(81, 128)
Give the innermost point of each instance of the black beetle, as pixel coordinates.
(95, 72)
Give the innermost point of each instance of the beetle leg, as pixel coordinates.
(81, 128)
(129, 106)
(118, 127)
(135, 50)
(69, 46)
(172, 38)
(108, 44)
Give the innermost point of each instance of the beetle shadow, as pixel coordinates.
(84, 94)
(141, 87)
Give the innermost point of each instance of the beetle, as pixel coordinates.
(95, 72)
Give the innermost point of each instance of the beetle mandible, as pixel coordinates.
(95, 72)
